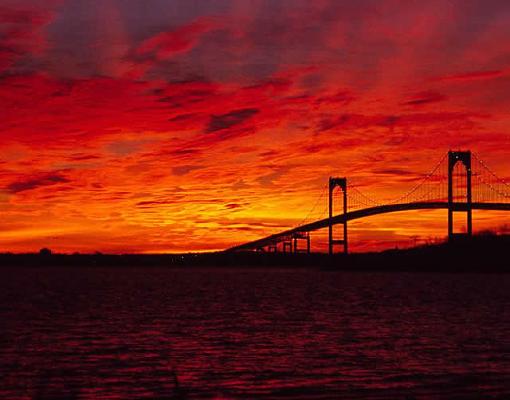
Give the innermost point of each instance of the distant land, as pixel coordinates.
(482, 253)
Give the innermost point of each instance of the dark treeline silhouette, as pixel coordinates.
(481, 253)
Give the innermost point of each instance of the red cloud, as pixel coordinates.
(180, 40)
(360, 121)
(20, 34)
(423, 98)
(33, 182)
(233, 118)
(472, 76)
(168, 44)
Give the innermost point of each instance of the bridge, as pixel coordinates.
(460, 183)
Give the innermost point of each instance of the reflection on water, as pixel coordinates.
(118, 333)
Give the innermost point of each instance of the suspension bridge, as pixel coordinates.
(460, 183)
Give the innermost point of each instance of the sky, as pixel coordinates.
(194, 125)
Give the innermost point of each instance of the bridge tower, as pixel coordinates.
(342, 184)
(464, 157)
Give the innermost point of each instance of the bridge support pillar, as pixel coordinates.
(464, 157)
(342, 184)
(301, 235)
(287, 245)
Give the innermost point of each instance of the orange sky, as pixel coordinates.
(178, 125)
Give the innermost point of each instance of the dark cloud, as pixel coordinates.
(182, 39)
(20, 34)
(157, 203)
(361, 121)
(233, 118)
(182, 117)
(393, 171)
(36, 182)
(268, 180)
(341, 97)
(330, 123)
(185, 169)
(83, 157)
(233, 206)
(425, 98)
(471, 76)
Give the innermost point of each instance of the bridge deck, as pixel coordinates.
(366, 212)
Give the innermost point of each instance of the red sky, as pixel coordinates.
(180, 125)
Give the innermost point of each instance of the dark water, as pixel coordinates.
(255, 334)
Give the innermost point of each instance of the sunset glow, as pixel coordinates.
(174, 126)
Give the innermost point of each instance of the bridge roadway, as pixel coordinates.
(366, 212)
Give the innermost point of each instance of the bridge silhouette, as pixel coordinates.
(460, 183)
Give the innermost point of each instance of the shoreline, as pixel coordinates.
(477, 254)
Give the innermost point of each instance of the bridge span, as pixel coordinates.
(363, 213)
(459, 183)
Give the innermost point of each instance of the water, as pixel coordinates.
(121, 333)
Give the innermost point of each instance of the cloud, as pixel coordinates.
(362, 121)
(36, 182)
(268, 180)
(96, 106)
(155, 203)
(233, 118)
(168, 44)
(472, 76)
(423, 98)
(21, 34)
(126, 147)
(393, 171)
(233, 206)
(83, 157)
(341, 97)
(185, 169)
